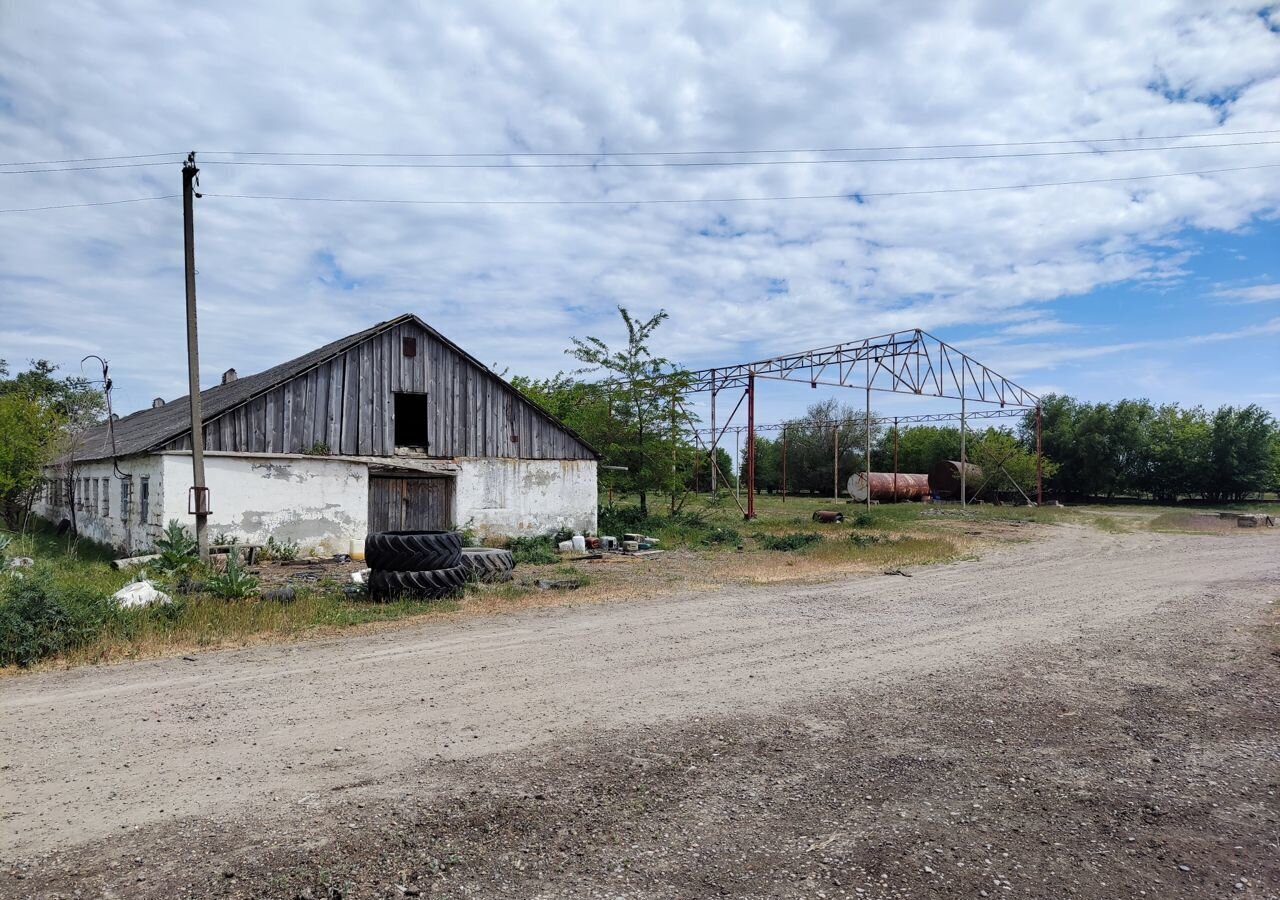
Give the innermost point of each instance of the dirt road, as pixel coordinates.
(282, 771)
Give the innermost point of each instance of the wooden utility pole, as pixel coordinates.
(199, 492)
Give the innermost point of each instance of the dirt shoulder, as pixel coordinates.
(895, 735)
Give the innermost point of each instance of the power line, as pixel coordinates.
(598, 153)
(635, 153)
(718, 163)
(83, 205)
(136, 165)
(54, 162)
(851, 195)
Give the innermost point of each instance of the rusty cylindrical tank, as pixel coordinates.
(910, 487)
(944, 479)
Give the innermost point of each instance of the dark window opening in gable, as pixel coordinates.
(410, 346)
(411, 420)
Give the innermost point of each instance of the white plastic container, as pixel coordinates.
(579, 543)
(566, 546)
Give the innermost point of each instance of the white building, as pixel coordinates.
(392, 428)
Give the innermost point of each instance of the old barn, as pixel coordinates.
(395, 427)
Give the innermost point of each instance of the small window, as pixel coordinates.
(93, 493)
(411, 420)
(144, 500)
(410, 347)
(126, 491)
(106, 497)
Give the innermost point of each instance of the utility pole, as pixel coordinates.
(199, 497)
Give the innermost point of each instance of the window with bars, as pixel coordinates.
(93, 495)
(106, 497)
(126, 494)
(144, 500)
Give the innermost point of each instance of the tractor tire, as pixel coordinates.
(488, 564)
(432, 584)
(413, 551)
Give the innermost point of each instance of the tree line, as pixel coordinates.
(1169, 452)
(635, 416)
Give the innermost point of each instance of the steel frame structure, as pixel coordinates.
(902, 362)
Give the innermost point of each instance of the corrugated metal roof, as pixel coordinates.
(150, 429)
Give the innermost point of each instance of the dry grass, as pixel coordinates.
(892, 537)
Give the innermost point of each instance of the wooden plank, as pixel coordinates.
(365, 407)
(333, 426)
(350, 403)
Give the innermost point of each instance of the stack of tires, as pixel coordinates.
(429, 565)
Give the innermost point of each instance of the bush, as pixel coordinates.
(177, 549)
(38, 619)
(273, 549)
(865, 540)
(233, 582)
(533, 550)
(797, 540)
(864, 520)
(619, 520)
(721, 534)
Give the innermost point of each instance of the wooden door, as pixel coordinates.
(410, 504)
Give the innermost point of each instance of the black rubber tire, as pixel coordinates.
(432, 584)
(413, 551)
(488, 563)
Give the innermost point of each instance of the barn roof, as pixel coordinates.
(149, 429)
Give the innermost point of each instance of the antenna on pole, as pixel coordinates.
(198, 496)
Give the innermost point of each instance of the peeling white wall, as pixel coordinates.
(525, 496)
(128, 533)
(320, 503)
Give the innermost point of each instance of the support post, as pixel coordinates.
(964, 457)
(784, 463)
(737, 465)
(751, 446)
(1039, 457)
(714, 434)
(189, 173)
(895, 459)
(866, 424)
(835, 461)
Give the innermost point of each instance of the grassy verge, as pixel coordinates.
(70, 619)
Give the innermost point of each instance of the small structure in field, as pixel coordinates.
(888, 487)
(944, 479)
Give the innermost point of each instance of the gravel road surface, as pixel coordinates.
(880, 736)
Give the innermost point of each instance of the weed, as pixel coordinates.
(233, 582)
(864, 520)
(717, 535)
(533, 550)
(177, 549)
(866, 540)
(796, 540)
(38, 620)
(283, 550)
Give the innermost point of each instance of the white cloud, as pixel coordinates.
(1258, 293)
(511, 283)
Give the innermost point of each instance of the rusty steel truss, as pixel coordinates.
(903, 362)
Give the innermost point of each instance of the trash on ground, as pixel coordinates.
(139, 594)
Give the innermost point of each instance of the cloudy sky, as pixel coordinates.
(1164, 287)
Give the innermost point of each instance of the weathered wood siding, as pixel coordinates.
(410, 504)
(347, 404)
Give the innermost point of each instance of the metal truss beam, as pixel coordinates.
(905, 362)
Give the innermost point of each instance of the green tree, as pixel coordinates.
(920, 448)
(41, 420)
(812, 444)
(1008, 465)
(642, 426)
(1240, 452)
(1177, 453)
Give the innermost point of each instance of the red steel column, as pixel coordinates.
(751, 446)
(895, 460)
